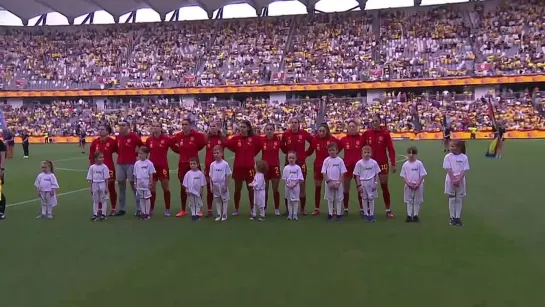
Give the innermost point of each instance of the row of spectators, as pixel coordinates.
(399, 113)
(483, 38)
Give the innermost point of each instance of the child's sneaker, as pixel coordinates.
(224, 218)
(459, 222)
(261, 218)
(218, 218)
(290, 218)
(50, 217)
(146, 217)
(2, 217)
(452, 222)
(409, 219)
(236, 213)
(329, 217)
(276, 212)
(296, 217)
(416, 219)
(138, 214)
(339, 218)
(252, 218)
(167, 213)
(102, 217)
(372, 218)
(93, 218)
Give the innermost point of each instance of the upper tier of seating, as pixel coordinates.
(475, 38)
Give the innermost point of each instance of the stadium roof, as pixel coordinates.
(71, 9)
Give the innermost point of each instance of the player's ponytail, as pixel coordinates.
(249, 126)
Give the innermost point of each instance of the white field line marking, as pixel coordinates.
(405, 158)
(37, 199)
(70, 159)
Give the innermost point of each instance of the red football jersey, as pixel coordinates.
(296, 141)
(319, 145)
(107, 147)
(271, 150)
(352, 145)
(245, 149)
(158, 149)
(126, 148)
(381, 144)
(188, 145)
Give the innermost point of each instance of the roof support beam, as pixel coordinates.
(353, 8)
(363, 4)
(219, 14)
(175, 15)
(89, 18)
(131, 18)
(417, 2)
(41, 21)
(206, 8)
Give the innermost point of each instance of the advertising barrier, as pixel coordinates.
(233, 89)
(482, 135)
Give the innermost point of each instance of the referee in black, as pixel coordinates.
(3, 150)
(26, 143)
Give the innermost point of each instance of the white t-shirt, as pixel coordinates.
(413, 171)
(143, 170)
(366, 169)
(98, 173)
(457, 163)
(194, 181)
(219, 170)
(334, 168)
(292, 173)
(46, 182)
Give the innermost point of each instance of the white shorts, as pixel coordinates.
(452, 191)
(48, 200)
(368, 193)
(334, 194)
(416, 196)
(99, 191)
(143, 194)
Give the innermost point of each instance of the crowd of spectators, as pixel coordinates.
(399, 112)
(484, 38)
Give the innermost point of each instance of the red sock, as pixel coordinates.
(276, 196)
(183, 197)
(152, 201)
(236, 198)
(251, 197)
(303, 203)
(360, 201)
(209, 199)
(346, 200)
(317, 194)
(113, 194)
(386, 195)
(166, 196)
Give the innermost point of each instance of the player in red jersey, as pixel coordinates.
(320, 144)
(270, 154)
(246, 146)
(382, 148)
(295, 139)
(159, 144)
(214, 138)
(352, 144)
(107, 146)
(127, 146)
(188, 143)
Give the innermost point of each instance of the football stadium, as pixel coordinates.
(166, 96)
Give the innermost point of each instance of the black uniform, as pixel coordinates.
(3, 149)
(26, 143)
(446, 133)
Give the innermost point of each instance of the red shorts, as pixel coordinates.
(350, 171)
(273, 173)
(161, 173)
(384, 168)
(182, 170)
(243, 174)
(207, 170)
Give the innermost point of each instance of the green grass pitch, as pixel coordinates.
(496, 259)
